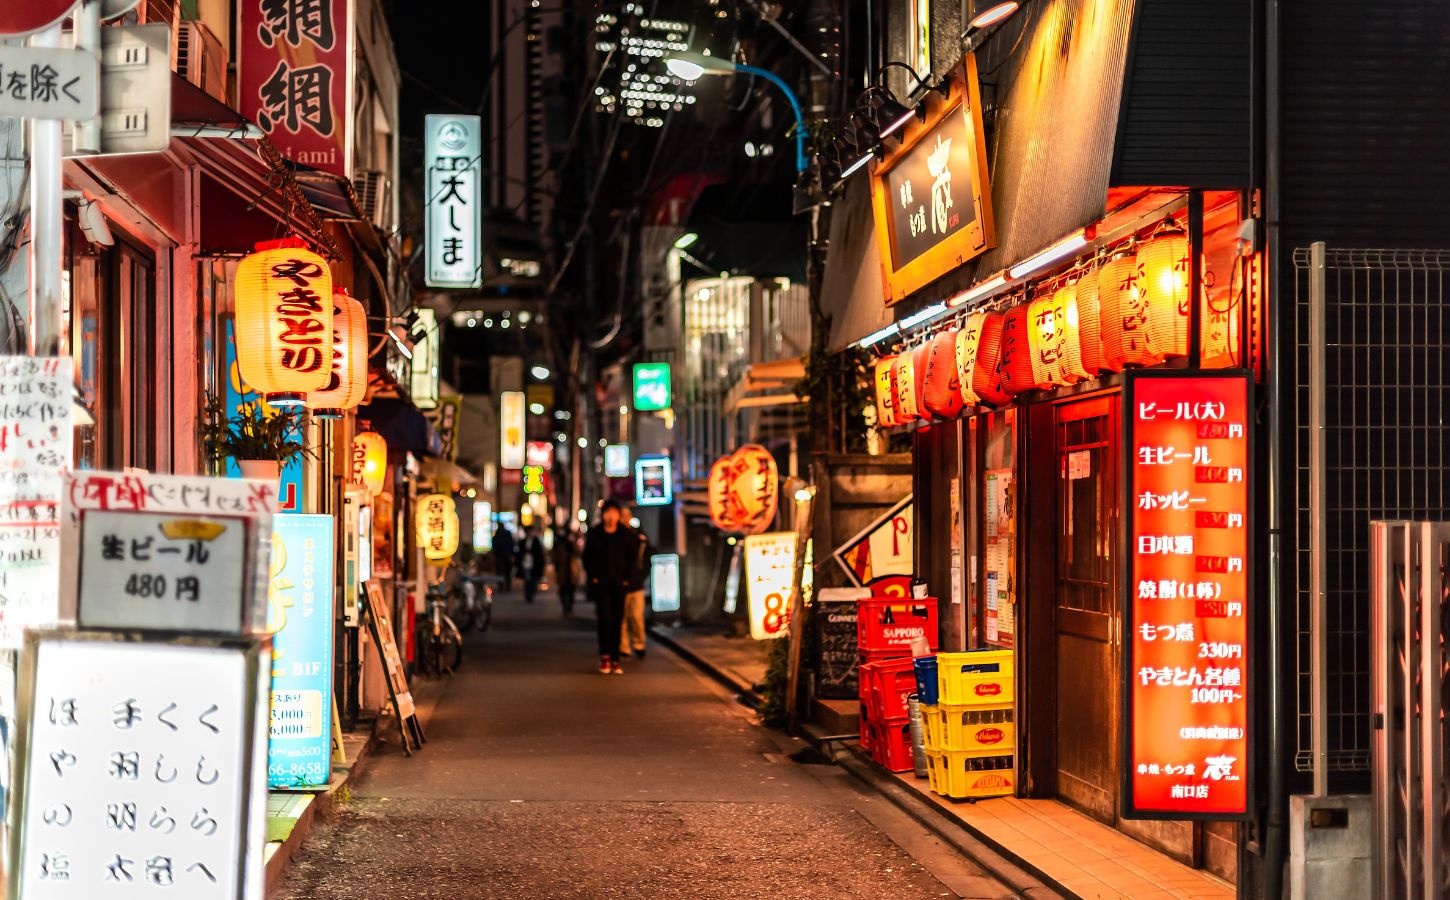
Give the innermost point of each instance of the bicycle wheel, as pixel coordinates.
(483, 614)
(428, 658)
(449, 645)
(457, 609)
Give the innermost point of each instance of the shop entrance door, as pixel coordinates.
(1085, 615)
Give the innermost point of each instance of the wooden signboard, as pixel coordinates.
(380, 626)
(836, 642)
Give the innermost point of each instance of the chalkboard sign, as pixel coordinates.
(380, 625)
(836, 642)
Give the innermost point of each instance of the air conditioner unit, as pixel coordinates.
(373, 189)
(201, 59)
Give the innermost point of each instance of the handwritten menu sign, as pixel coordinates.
(835, 617)
(162, 571)
(35, 447)
(1188, 594)
(769, 577)
(142, 785)
(171, 498)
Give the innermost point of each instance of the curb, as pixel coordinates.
(1021, 877)
(746, 692)
(323, 804)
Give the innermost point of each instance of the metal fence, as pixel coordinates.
(1385, 446)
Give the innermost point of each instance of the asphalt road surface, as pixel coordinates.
(545, 779)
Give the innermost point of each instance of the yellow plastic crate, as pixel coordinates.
(936, 772)
(970, 775)
(977, 728)
(933, 728)
(976, 678)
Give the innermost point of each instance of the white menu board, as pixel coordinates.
(35, 446)
(137, 781)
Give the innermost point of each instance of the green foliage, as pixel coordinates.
(256, 431)
(839, 385)
(772, 701)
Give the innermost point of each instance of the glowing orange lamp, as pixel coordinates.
(284, 321)
(348, 383)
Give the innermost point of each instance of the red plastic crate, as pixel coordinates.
(888, 624)
(892, 681)
(866, 728)
(891, 745)
(866, 677)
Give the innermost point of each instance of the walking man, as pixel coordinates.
(503, 555)
(566, 561)
(531, 562)
(631, 632)
(610, 563)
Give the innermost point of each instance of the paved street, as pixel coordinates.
(544, 779)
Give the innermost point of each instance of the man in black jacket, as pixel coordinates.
(611, 554)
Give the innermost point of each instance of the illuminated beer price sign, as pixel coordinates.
(1187, 675)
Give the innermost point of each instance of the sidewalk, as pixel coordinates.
(736, 661)
(1078, 856)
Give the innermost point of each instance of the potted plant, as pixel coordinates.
(261, 441)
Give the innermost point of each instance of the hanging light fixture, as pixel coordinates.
(1162, 279)
(1015, 362)
(943, 392)
(886, 392)
(907, 409)
(990, 12)
(988, 380)
(370, 461)
(1089, 318)
(1124, 313)
(1053, 338)
(437, 526)
(284, 321)
(348, 383)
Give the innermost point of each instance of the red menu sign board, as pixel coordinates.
(294, 78)
(1187, 665)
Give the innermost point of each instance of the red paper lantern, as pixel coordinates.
(1015, 363)
(907, 409)
(969, 338)
(920, 361)
(1126, 340)
(1089, 320)
(284, 321)
(744, 490)
(1162, 280)
(943, 393)
(348, 383)
(1053, 338)
(988, 381)
(886, 392)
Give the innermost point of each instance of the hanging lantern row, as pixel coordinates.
(300, 341)
(437, 526)
(744, 490)
(1132, 310)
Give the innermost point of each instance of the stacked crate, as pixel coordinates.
(885, 627)
(970, 734)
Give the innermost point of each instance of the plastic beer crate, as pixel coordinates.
(975, 678)
(887, 624)
(978, 728)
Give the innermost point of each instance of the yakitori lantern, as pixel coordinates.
(1016, 360)
(744, 490)
(437, 520)
(370, 461)
(1162, 279)
(968, 339)
(348, 383)
(907, 409)
(284, 321)
(1089, 320)
(943, 392)
(920, 359)
(1124, 314)
(1053, 338)
(886, 392)
(988, 381)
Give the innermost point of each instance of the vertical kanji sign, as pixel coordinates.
(1188, 604)
(451, 159)
(294, 74)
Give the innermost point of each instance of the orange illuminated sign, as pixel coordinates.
(1187, 672)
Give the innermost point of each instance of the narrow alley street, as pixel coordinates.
(544, 779)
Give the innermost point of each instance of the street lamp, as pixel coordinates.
(693, 66)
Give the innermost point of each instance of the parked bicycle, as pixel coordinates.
(470, 604)
(440, 645)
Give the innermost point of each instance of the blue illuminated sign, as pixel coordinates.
(654, 483)
(299, 615)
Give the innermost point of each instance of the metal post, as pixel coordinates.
(46, 219)
(1318, 498)
(86, 134)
